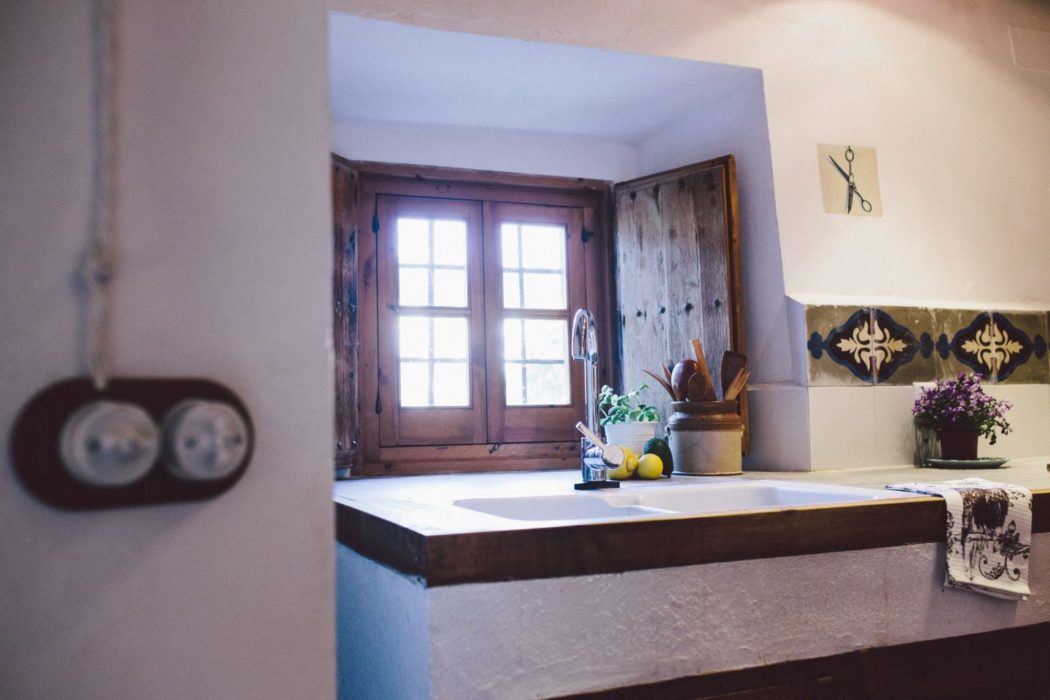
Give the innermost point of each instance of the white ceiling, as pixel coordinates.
(387, 72)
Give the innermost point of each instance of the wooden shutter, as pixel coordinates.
(344, 309)
(678, 270)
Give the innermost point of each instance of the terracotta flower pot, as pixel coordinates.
(958, 443)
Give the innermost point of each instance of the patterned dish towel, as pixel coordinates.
(989, 534)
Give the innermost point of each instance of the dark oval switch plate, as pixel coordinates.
(36, 434)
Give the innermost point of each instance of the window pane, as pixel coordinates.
(543, 247)
(451, 384)
(515, 383)
(450, 338)
(412, 286)
(511, 290)
(414, 341)
(544, 291)
(545, 340)
(543, 378)
(547, 384)
(450, 288)
(433, 361)
(512, 349)
(450, 242)
(413, 241)
(415, 384)
(509, 245)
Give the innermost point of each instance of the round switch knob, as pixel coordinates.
(204, 440)
(109, 444)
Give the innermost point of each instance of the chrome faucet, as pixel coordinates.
(585, 348)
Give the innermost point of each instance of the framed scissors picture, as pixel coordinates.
(849, 180)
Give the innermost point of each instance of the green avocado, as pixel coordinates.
(660, 448)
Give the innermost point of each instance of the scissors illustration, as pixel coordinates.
(851, 182)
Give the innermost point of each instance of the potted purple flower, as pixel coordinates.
(959, 412)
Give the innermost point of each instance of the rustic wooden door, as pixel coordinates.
(678, 271)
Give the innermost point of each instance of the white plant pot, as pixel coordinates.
(630, 435)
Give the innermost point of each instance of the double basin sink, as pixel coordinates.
(658, 500)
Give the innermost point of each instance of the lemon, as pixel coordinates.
(626, 468)
(650, 466)
(660, 448)
(630, 459)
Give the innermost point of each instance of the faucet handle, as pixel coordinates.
(589, 434)
(612, 455)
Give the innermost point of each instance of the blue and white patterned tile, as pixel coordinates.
(850, 346)
(908, 344)
(1020, 347)
(839, 344)
(893, 345)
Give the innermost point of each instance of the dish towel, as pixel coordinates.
(989, 534)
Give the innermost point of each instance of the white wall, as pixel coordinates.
(382, 624)
(961, 136)
(485, 149)
(225, 251)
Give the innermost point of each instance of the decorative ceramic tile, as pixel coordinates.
(839, 346)
(892, 345)
(918, 359)
(1000, 345)
(973, 344)
(946, 327)
(1020, 347)
(900, 345)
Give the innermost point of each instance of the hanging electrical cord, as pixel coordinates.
(98, 264)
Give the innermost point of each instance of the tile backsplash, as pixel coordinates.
(895, 345)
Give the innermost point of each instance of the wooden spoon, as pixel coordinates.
(698, 388)
(680, 378)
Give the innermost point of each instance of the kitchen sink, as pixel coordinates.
(638, 500)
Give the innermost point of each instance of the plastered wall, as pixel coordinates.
(551, 637)
(224, 247)
(960, 133)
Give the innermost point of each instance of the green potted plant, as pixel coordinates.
(959, 412)
(627, 421)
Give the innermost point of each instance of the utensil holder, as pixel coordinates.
(705, 438)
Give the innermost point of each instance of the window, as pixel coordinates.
(464, 289)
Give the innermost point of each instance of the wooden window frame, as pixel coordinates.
(356, 188)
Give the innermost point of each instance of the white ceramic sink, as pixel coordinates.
(659, 500)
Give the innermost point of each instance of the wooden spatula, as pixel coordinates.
(738, 385)
(732, 363)
(701, 367)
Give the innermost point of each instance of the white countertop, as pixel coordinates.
(1030, 472)
(422, 503)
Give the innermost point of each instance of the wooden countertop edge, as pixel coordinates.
(603, 548)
